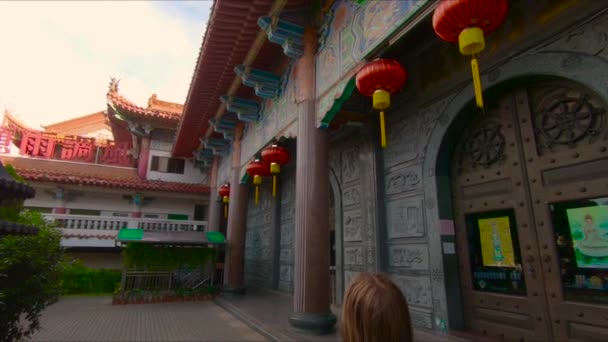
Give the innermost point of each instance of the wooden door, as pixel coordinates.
(526, 177)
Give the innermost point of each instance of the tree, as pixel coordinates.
(31, 267)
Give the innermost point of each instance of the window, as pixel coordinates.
(167, 165)
(120, 214)
(85, 212)
(40, 210)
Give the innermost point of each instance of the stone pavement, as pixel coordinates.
(95, 319)
(266, 311)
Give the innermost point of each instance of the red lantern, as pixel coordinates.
(224, 192)
(276, 156)
(380, 79)
(258, 169)
(467, 22)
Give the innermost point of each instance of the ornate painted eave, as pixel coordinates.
(266, 84)
(246, 110)
(289, 35)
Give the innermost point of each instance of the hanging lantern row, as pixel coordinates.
(379, 80)
(224, 192)
(275, 155)
(467, 22)
(258, 169)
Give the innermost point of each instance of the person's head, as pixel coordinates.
(588, 218)
(374, 309)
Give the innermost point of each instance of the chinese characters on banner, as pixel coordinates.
(116, 154)
(70, 148)
(6, 137)
(78, 149)
(36, 144)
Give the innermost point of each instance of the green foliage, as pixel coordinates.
(31, 269)
(150, 258)
(78, 279)
(32, 265)
(10, 210)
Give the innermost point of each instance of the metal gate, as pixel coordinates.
(530, 187)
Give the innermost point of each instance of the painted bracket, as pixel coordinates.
(246, 110)
(266, 84)
(225, 125)
(289, 35)
(218, 146)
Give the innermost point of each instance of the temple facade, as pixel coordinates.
(490, 222)
(98, 173)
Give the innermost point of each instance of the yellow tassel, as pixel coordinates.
(225, 210)
(274, 186)
(382, 130)
(257, 195)
(476, 82)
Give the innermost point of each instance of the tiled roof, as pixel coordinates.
(127, 107)
(231, 31)
(42, 170)
(12, 228)
(11, 189)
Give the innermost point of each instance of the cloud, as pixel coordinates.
(58, 57)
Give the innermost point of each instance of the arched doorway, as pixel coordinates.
(529, 181)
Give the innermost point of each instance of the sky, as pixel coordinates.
(58, 56)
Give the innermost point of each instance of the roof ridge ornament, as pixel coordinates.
(113, 86)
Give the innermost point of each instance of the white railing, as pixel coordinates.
(67, 221)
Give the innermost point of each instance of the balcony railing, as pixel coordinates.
(67, 221)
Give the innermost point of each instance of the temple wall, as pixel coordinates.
(417, 191)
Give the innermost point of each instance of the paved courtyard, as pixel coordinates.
(95, 319)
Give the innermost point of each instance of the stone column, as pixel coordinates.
(237, 218)
(311, 310)
(144, 154)
(213, 217)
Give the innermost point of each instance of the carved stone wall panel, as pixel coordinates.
(403, 181)
(259, 243)
(350, 165)
(590, 39)
(286, 256)
(410, 256)
(348, 278)
(353, 256)
(405, 218)
(416, 289)
(352, 225)
(401, 138)
(287, 228)
(351, 196)
(421, 318)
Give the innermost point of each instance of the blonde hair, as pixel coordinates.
(374, 309)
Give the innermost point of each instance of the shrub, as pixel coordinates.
(78, 279)
(31, 271)
(32, 266)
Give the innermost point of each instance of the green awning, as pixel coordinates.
(170, 238)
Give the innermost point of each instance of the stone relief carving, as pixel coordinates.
(352, 225)
(589, 39)
(421, 318)
(401, 141)
(417, 290)
(414, 257)
(348, 277)
(286, 256)
(353, 255)
(404, 218)
(350, 163)
(285, 273)
(351, 196)
(403, 180)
